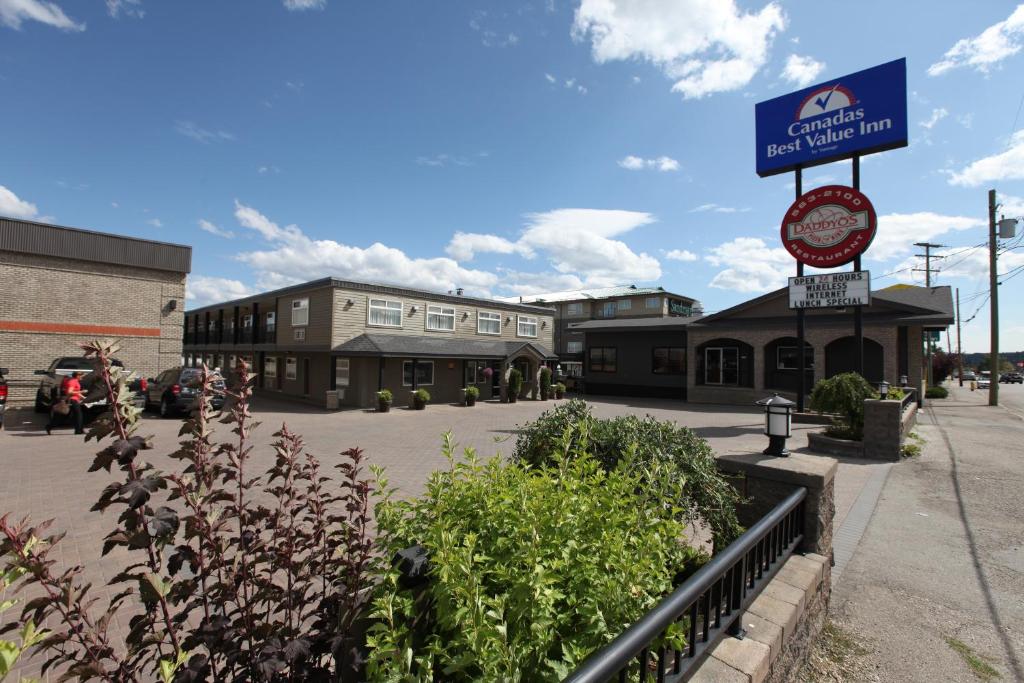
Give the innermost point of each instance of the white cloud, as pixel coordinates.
(662, 163)
(937, 115)
(13, 207)
(718, 209)
(1008, 165)
(444, 160)
(750, 265)
(524, 284)
(465, 245)
(214, 229)
(970, 265)
(802, 70)
(115, 205)
(705, 46)
(966, 120)
(199, 134)
(988, 48)
(202, 290)
(295, 86)
(264, 170)
(155, 222)
(299, 5)
(550, 78)
(897, 232)
(681, 255)
(130, 8)
(14, 12)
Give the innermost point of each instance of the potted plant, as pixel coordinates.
(472, 394)
(545, 383)
(384, 399)
(559, 390)
(515, 384)
(420, 398)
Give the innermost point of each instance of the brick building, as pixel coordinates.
(356, 338)
(62, 286)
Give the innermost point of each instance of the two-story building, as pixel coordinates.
(357, 338)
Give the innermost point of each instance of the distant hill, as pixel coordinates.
(973, 359)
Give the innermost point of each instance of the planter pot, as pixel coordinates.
(417, 404)
(829, 445)
(470, 401)
(559, 394)
(383, 407)
(512, 398)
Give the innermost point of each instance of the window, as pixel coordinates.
(475, 372)
(574, 309)
(300, 312)
(271, 322)
(488, 323)
(625, 304)
(602, 359)
(440, 318)
(385, 313)
(270, 367)
(291, 368)
(788, 359)
(247, 321)
(341, 372)
(669, 360)
(424, 373)
(608, 309)
(653, 302)
(527, 326)
(212, 325)
(299, 334)
(721, 365)
(572, 369)
(574, 347)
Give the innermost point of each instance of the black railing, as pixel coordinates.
(188, 339)
(245, 336)
(709, 603)
(268, 335)
(909, 395)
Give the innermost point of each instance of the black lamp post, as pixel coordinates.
(778, 423)
(883, 389)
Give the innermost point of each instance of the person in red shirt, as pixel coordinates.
(70, 391)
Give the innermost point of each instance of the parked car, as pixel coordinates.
(3, 394)
(984, 381)
(969, 376)
(1011, 378)
(173, 391)
(53, 376)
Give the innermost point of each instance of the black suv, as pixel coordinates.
(1011, 378)
(3, 394)
(173, 391)
(95, 397)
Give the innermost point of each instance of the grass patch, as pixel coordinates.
(910, 450)
(837, 656)
(979, 666)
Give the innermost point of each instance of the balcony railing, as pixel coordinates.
(245, 336)
(709, 603)
(268, 335)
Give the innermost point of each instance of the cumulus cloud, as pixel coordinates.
(1008, 165)
(750, 265)
(718, 209)
(14, 12)
(704, 46)
(525, 284)
(13, 207)
(300, 5)
(202, 290)
(681, 255)
(155, 222)
(214, 229)
(999, 41)
(970, 265)
(937, 115)
(200, 134)
(662, 163)
(464, 246)
(802, 71)
(897, 232)
(129, 8)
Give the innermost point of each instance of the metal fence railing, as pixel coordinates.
(909, 395)
(709, 604)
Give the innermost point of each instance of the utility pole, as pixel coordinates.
(959, 349)
(993, 385)
(927, 256)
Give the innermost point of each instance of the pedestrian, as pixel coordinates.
(71, 396)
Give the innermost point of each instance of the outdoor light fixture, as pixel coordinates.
(349, 302)
(508, 320)
(778, 423)
(883, 389)
(903, 380)
(412, 310)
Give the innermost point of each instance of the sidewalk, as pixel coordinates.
(942, 556)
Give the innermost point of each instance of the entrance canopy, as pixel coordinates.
(401, 346)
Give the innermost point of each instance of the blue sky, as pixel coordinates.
(506, 148)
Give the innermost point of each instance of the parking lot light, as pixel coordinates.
(778, 424)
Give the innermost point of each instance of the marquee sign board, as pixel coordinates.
(830, 290)
(860, 113)
(829, 226)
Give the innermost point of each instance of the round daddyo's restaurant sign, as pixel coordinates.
(829, 226)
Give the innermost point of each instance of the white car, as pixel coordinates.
(984, 382)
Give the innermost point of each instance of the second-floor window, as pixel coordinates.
(247, 321)
(527, 326)
(385, 313)
(488, 323)
(440, 318)
(574, 347)
(574, 309)
(300, 312)
(608, 309)
(271, 322)
(653, 302)
(625, 304)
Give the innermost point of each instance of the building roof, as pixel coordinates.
(404, 346)
(597, 293)
(626, 324)
(44, 239)
(378, 288)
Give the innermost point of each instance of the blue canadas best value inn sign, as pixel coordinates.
(860, 113)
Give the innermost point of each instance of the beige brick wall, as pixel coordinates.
(39, 289)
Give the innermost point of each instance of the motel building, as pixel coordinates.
(746, 352)
(357, 338)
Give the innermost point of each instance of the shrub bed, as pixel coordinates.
(936, 392)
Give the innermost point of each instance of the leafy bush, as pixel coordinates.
(422, 395)
(385, 396)
(229, 574)
(531, 570)
(560, 390)
(895, 394)
(545, 383)
(515, 382)
(661, 453)
(844, 396)
(936, 392)
(472, 392)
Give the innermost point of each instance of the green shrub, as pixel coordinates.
(560, 389)
(936, 392)
(545, 383)
(385, 396)
(659, 452)
(843, 395)
(515, 382)
(531, 570)
(472, 392)
(422, 395)
(895, 394)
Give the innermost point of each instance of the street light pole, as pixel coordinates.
(993, 385)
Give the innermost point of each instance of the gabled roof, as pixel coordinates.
(595, 293)
(404, 346)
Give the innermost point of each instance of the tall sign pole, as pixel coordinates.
(858, 312)
(800, 331)
(993, 385)
(959, 349)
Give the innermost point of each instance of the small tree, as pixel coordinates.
(942, 365)
(545, 383)
(843, 395)
(515, 384)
